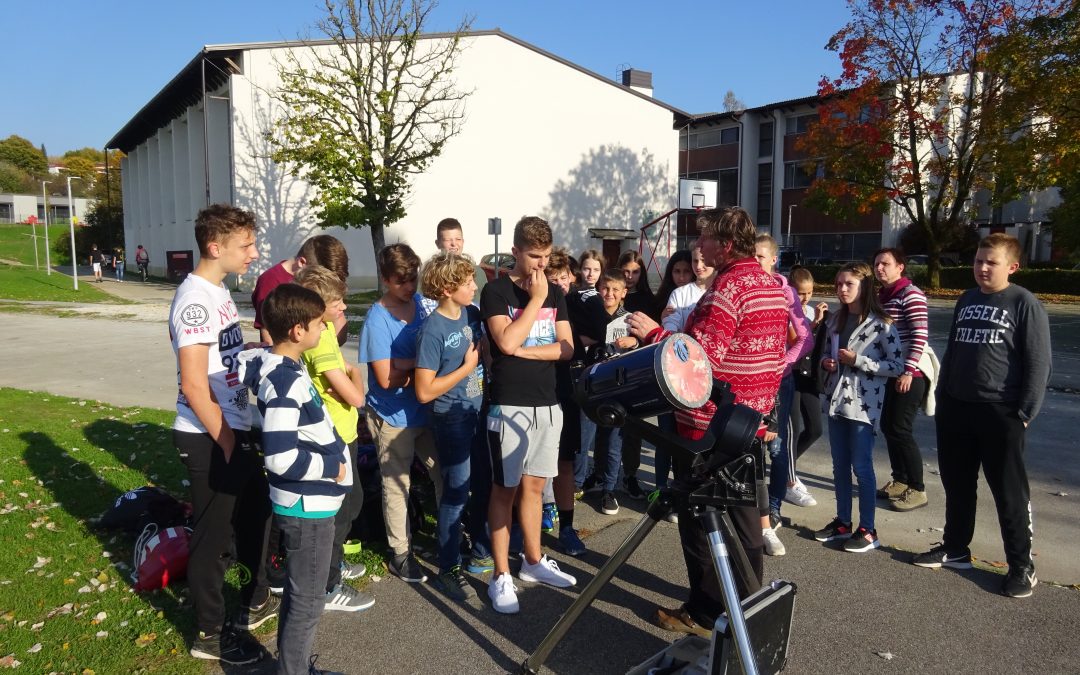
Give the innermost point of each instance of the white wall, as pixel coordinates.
(539, 138)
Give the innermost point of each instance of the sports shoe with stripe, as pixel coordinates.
(939, 556)
(1019, 582)
(837, 529)
(345, 598)
(862, 541)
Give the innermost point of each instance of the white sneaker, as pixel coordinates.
(798, 495)
(545, 572)
(503, 594)
(773, 545)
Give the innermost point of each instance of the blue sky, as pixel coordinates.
(76, 72)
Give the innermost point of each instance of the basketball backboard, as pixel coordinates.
(697, 194)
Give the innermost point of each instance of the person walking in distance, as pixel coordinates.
(142, 260)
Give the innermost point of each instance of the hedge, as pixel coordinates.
(1035, 280)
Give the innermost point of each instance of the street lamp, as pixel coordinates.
(45, 199)
(71, 227)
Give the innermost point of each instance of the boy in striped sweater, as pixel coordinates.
(306, 464)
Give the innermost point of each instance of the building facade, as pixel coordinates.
(541, 136)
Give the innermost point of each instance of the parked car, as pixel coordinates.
(505, 263)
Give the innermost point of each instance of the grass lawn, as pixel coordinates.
(26, 283)
(16, 243)
(66, 602)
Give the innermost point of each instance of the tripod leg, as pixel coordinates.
(536, 660)
(722, 561)
(742, 563)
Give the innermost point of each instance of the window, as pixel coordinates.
(798, 125)
(801, 174)
(765, 139)
(727, 192)
(707, 138)
(764, 195)
(7, 213)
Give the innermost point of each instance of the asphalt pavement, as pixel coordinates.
(854, 612)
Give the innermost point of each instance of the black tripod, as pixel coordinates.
(706, 493)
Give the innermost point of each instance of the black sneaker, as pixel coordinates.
(455, 585)
(228, 646)
(943, 557)
(862, 540)
(837, 529)
(406, 568)
(251, 618)
(592, 484)
(312, 670)
(632, 489)
(609, 505)
(1019, 582)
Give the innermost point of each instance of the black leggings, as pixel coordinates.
(807, 424)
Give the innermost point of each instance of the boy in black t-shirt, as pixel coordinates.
(992, 382)
(527, 325)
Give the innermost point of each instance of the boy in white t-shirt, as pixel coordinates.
(212, 432)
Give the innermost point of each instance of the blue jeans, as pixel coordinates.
(662, 462)
(308, 544)
(581, 460)
(853, 448)
(608, 456)
(466, 468)
(780, 448)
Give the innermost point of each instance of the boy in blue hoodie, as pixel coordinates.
(306, 464)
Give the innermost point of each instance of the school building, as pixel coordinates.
(541, 136)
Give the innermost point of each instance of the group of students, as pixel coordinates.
(481, 393)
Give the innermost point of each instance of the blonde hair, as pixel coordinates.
(445, 271)
(323, 281)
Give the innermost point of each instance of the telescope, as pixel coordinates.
(722, 469)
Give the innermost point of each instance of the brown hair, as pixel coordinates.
(326, 250)
(398, 260)
(289, 305)
(870, 302)
(322, 281)
(591, 254)
(447, 224)
(445, 271)
(896, 253)
(643, 280)
(559, 261)
(800, 275)
(611, 277)
(1008, 243)
(729, 224)
(532, 232)
(217, 222)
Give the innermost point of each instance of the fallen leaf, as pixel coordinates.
(145, 639)
(35, 649)
(998, 564)
(37, 626)
(888, 656)
(101, 634)
(10, 661)
(42, 562)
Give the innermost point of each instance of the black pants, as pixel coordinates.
(989, 435)
(897, 425)
(706, 599)
(228, 499)
(631, 452)
(807, 421)
(343, 522)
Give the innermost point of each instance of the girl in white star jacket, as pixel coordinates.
(863, 351)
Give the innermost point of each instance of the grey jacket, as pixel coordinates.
(858, 392)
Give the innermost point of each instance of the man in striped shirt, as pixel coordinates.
(741, 321)
(906, 305)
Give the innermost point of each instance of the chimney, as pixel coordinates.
(638, 80)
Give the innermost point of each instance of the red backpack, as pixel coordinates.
(160, 557)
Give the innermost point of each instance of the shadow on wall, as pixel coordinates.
(267, 189)
(611, 187)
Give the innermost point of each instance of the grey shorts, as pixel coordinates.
(524, 440)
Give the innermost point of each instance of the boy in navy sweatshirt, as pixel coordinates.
(993, 377)
(306, 464)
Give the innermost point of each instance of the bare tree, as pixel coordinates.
(732, 102)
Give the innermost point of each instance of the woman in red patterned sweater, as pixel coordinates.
(741, 321)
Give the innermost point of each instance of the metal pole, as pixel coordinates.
(33, 238)
(71, 228)
(45, 199)
(736, 620)
(790, 206)
(206, 133)
(497, 265)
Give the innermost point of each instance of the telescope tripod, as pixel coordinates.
(703, 501)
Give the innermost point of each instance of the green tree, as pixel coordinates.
(14, 179)
(93, 154)
(105, 217)
(913, 121)
(23, 154)
(362, 115)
